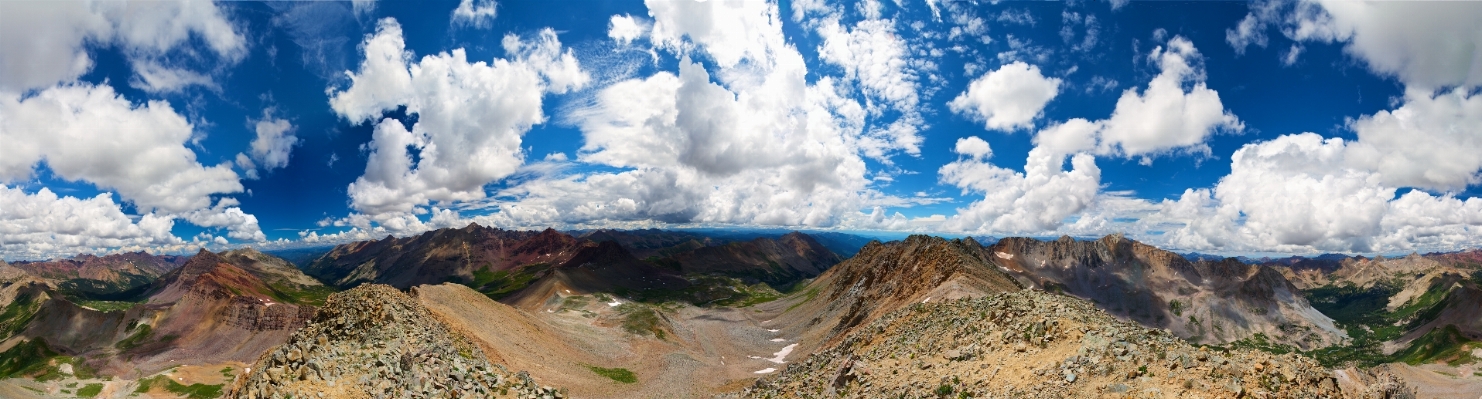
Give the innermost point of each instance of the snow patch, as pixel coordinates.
(1004, 255)
(928, 299)
(782, 354)
(776, 330)
(768, 370)
(778, 340)
(614, 303)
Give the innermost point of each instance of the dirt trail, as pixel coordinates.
(1431, 384)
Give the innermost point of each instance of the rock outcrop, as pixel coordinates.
(1034, 344)
(376, 342)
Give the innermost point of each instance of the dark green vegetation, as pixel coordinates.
(314, 295)
(192, 391)
(25, 358)
(107, 306)
(33, 358)
(812, 293)
(708, 290)
(1445, 344)
(90, 390)
(141, 334)
(19, 313)
(1362, 313)
(128, 287)
(500, 284)
(616, 374)
(641, 319)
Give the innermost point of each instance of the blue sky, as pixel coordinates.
(1221, 127)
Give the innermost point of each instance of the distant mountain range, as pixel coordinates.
(698, 313)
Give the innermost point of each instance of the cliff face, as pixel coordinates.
(1204, 301)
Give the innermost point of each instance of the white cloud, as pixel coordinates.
(1007, 99)
(152, 77)
(872, 54)
(225, 214)
(1432, 141)
(625, 28)
(471, 116)
(1294, 193)
(1036, 200)
(1429, 46)
(44, 225)
(1164, 117)
(89, 133)
(1069, 137)
(274, 143)
(1250, 30)
(476, 13)
(44, 43)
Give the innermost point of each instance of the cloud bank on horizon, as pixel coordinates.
(1293, 127)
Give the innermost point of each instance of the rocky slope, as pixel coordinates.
(1033, 344)
(1205, 301)
(883, 278)
(376, 342)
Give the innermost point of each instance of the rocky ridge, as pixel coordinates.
(1033, 344)
(377, 342)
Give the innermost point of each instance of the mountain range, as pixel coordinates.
(611, 313)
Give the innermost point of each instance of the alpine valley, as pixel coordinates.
(485, 312)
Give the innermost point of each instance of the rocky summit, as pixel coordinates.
(1034, 344)
(374, 341)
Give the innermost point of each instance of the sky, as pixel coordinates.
(1216, 127)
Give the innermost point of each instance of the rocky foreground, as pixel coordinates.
(1033, 344)
(377, 342)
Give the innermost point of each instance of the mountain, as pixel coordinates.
(883, 278)
(1036, 344)
(652, 242)
(1205, 301)
(375, 341)
(780, 261)
(107, 277)
(439, 256)
(843, 244)
(214, 308)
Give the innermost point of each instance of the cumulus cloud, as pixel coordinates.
(471, 116)
(44, 225)
(476, 13)
(1165, 117)
(872, 54)
(1162, 118)
(1295, 193)
(44, 43)
(745, 141)
(1430, 142)
(1036, 200)
(625, 28)
(1007, 99)
(225, 214)
(274, 142)
(89, 133)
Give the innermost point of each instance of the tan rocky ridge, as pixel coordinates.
(1033, 344)
(374, 341)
